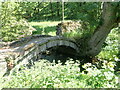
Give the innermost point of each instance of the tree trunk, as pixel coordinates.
(92, 46)
(108, 20)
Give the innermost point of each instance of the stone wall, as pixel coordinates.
(26, 53)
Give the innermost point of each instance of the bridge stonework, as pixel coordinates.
(30, 50)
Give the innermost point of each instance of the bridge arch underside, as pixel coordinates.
(62, 53)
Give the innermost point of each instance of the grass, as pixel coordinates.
(45, 27)
(45, 23)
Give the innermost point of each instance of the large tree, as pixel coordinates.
(110, 17)
(91, 46)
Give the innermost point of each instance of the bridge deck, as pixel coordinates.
(30, 47)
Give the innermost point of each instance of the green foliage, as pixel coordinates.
(13, 12)
(12, 25)
(102, 76)
(40, 11)
(50, 75)
(110, 48)
(72, 35)
(88, 12)
(78, 35)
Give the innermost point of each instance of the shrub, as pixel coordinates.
(50, 75)
(12, 25)
(110, 48)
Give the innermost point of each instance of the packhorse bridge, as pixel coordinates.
(29, 49)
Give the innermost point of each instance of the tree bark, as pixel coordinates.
(92, 46)
(108, 20)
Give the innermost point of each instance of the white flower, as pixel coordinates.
(109, 75)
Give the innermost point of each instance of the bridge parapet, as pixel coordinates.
(31, 48)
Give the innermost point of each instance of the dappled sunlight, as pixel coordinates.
(52, 75)
(44, 23)
(59, 45)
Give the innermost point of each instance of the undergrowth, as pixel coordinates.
(110, 50)
(50, 75)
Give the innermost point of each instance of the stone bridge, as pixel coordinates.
(29, 49)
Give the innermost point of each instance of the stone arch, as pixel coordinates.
(57, 42)
(58, 45)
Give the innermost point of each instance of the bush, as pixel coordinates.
(50, 75)
(110, 48)
(12, 25)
